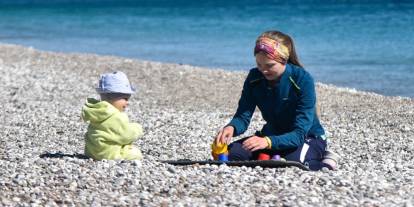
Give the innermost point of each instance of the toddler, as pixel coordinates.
(110, 135)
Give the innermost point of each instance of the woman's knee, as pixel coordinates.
(238, 153)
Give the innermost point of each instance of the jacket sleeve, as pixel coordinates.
(123, 132)
(304, 115)
(245, 110)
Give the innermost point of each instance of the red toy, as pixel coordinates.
(263, 156)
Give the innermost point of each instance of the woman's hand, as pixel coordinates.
(255, 143)
(225, 135)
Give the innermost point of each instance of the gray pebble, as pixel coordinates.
(181, 108)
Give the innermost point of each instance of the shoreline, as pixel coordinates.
(181, 107)
(352, 90)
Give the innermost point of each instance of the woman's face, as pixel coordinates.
(271, 69)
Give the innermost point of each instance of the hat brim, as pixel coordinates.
(131, 91)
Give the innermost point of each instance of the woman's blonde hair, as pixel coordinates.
(285, 40)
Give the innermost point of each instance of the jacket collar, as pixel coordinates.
(284, 84)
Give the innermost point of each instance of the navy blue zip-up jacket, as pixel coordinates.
(288, 109)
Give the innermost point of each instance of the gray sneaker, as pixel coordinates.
(331, 158)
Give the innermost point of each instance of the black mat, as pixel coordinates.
(62, 155)
(252, 163)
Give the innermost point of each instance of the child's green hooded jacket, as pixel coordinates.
(109, 135)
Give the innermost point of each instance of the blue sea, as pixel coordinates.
(367, 45)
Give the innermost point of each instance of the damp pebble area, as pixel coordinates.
(181, 108)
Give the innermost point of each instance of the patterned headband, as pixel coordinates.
(273, 49)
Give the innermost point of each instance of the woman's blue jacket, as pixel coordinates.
(288, 108)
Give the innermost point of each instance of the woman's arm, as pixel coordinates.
(245, 110)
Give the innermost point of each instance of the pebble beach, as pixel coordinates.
(181, 108)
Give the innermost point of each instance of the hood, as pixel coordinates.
(96, 111)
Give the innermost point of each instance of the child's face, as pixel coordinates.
(120, 102)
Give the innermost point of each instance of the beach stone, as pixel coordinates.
(181, 108)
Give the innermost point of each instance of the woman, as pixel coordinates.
(285, 94)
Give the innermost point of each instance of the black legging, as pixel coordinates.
(310, 153)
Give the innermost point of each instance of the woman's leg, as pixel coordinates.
(238, 153)
(310, 153)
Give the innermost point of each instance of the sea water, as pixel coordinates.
(367, 45)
